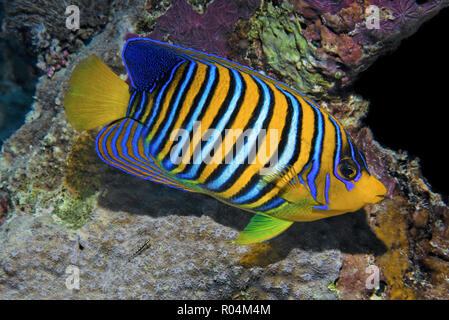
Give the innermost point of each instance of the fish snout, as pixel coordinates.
(377, 191)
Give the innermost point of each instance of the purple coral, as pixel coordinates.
(405, 14)
(398, 16)
(405, 10)
(206, 32)
(331, 6)
(345, 43)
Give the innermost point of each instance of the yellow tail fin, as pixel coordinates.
(97, 96)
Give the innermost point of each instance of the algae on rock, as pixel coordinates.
(286, 49)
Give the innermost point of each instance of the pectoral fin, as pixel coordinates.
(293, 188)
(261, 227)
(300, 205)
(297, 194)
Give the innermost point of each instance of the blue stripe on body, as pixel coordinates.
(109, 160)
(124, 148)
(157, 104)
(315, 161)
(210, 81)
(156, 143)
(270, 205)
(135, 152)
(143, 102)
(359, 172)
(285, 157)
(116, 164)
(323, 207)
(364, 162)
(349, 185)
(243, 153)
(193, 170)
(328, 184)
(131, 102)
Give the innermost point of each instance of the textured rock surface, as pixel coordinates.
(187, 259)
(66, 208)
(42, 23)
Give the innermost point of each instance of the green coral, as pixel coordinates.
(286, 49)
(332, 287)
(145, 25)
(72, 212)
(199, 5)
(67, 209)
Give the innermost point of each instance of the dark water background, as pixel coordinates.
(17, 83)
(409, 91)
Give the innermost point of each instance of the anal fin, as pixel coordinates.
(121, 145)
(261, 227)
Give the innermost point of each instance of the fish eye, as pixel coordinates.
(347, 168)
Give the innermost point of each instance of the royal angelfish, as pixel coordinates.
(200, 123)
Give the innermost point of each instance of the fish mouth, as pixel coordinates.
(375, 199)
(378, 198)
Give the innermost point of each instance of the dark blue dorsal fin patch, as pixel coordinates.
(147, 62)
(141, 55)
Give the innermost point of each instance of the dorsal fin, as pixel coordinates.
(142, 55)
(147, 62)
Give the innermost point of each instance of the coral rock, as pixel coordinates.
(208, 31)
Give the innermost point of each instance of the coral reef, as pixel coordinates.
(354, 275)
(326, 44)
(430, 231)
(407, 222)
(207, 31)
(60, 206)
(286, 50)
(42, 25)
(199, 5)
(341, 31)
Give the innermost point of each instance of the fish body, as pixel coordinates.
(200, 123)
